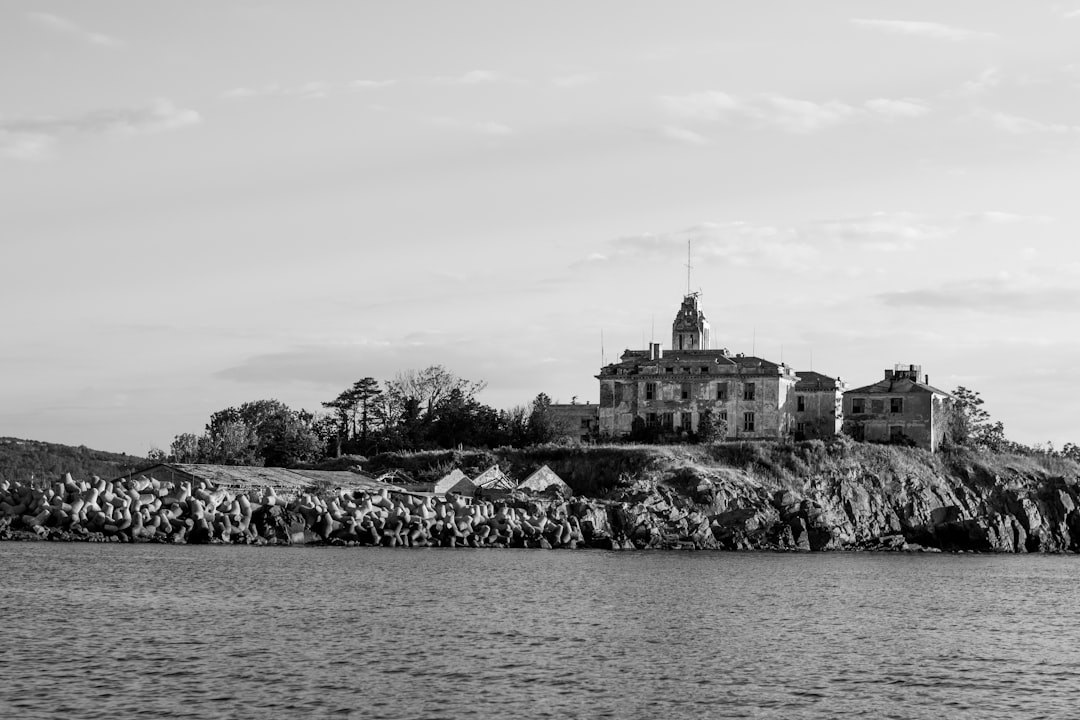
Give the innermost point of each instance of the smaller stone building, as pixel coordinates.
(902, 407)
(575, 421)
(819, 406)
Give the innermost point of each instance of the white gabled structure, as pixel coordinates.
(456, 482)
(494, 479)
(544, 480)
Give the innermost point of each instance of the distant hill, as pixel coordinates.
(24, 460)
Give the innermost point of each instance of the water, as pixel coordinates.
(123, 631)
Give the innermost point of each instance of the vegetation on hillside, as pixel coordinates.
(23, 460)
(417, 410)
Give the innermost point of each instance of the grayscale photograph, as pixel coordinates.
(458, 359)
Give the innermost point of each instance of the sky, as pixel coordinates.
(208, 203)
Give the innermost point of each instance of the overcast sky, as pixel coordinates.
(205, 203)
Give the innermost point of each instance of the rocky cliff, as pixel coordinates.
(843, 495)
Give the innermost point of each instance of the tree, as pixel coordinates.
(543, 426)
(969, 424)
(710, 427)
(514, 426)
(461, 420)
(288, 439)
(185, 448)
(428, 386)
(343, 405)
(366, 393)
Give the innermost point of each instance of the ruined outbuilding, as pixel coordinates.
(901, 408)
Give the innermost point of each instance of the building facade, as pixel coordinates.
(819, 406)
(666, 392)
(902, 407)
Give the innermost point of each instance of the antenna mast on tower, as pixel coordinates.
(688, 267)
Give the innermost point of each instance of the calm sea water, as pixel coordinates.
(152, 631)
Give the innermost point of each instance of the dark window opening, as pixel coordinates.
(748, 422)
(748, 391)
(857, 406)
(721, 391)
(801, 403)
(896, 405)
(650, 391)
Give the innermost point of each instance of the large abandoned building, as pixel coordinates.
(665, 393)
(668, 391)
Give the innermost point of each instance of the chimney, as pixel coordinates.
(888, 374)
(926, 379)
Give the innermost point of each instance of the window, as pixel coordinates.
(686, 391)
(669, 421)
(669, 370)
(721, 391)
(896, 432)
(800, 428)
(686, 421)
(877, 405)
(650, 390)
(748, 422)
(857, 406)
(650, 419)
(584, 423)
(748, 391)
(723, 415)
(896, 405)
(704, 368)
(800, 401)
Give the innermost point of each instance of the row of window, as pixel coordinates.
(877, 406)
(667, 420)
(749, 391)
(687, 370)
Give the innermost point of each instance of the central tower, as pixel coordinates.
(690, 331)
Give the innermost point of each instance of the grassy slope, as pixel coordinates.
(600, 469)
(25, 460)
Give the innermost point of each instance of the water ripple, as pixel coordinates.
(105, 631)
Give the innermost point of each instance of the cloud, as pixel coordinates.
(788, 114)
(907, 108)
(371, 84)
(1019, 125)
(473, 77)
(30, 137)
(1007, 293)
(747, 244)
(485, 127)
(683, 135)
(576, 80)
(491, 127)
(997, 217)
(312, 90)
(708, 105)
(66, 27)
(883, 231)
(987, 79)
(932, 30)
(23, 145)
(736, 243)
